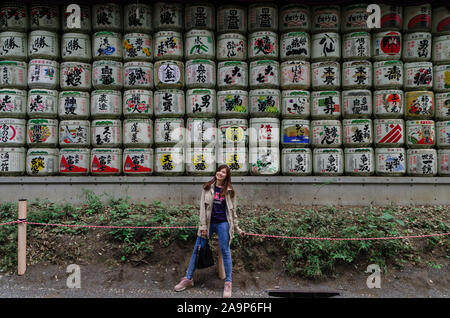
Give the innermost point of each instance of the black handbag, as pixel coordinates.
(204, 257)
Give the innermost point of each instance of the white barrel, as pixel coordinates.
(388, 103)
(137, 17)
(388, 74)
(354, 17)
(326, 75)
(199, 44)
(325, 18)
(169, 74)
(417, 18)
(13, 74)
(74, 133)
(441, 78)
(107, 17)
(43, 74)
(231, 18)
(200, 16)
(328, 161)
(232, 104)
(264, 161)
(169, 132)
(325, 46)
(76, 47)
(357, 132)
(264, 74)
(357, 103)
(295, 75)
(418, 76)
(232, 75)
(201, 132)
(389, 133)
(295, 45)
(74, 161)
(419, 105)
(44, 17)
(441, 49)
(420, 134)
(169, 161)
(326, 105)
(421, 162)
(326, 133)
(357, 74)
(74, 105)
(42, 162)
(263, 17)
(443, 162)
(138, 103)
(76, 76)
(295, 104)
(106, 133)
(390, 161)
(441, 20)
(294, 17)
(138, 161)
(296, 161)
(107, 74)
(12, 132)
(200, 161)
(233, 132)
(386, 45)
(231, 46)
(169, 103)
(263, 45)
(12, 103)
(138, 75)
(43, 45)
(167, 16)
(200, 74)
(443, 134)
(265, 103)
(107, 46)
(442, 106)
(42, 103)
(201, 102)
(356, 46)
(391, 17)
(359, 161)
(68, 16)
(137, 132)
(416, 47)
(14, 46)
(236, 158)
(106, 161)
(137, 47)
(42, 133)
(295, 133)
(264, 132)
(106, 104)
(12, 161)
(168, 45)
(14, 16)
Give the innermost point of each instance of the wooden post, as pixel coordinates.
(22, 238)
(221, 267)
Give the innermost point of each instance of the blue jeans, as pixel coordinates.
(223, 232)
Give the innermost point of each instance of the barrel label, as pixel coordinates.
(137, 163)
(72, 163)
(104, 164)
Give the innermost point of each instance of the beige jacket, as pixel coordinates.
(206, 204)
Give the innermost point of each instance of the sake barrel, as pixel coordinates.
(443, 162)
(137, 133)
(107, 45)
(263, 45)
(357, 103)
(13, 45)
(417, 18)
(417, 47)
(169, 161)
(107, 17)
(390, 161)
(418, 76)
(199, 44)
(295, 45)
(326, 75)
(231, 18)
(107, 75)
(44, 17)
(264, 161)
(12, 103)
(441, 21)
(12, 132)
(106, 133)
(201, 132)
(14, 17)
(443, 134)
(74, 161)
(388, 74)
(359, 161)
(389, 133)
(264, 103)
(201, 102)
(169, 74)
(296, 161)
(295, 75)
(264, 132)
(233, 132)
(325, 47)
(137, 47)
(169, 132)
(391, 17)
(138, 75)
(295, 104)
(419, 105)
(42, 162)
(388, 103)
(13, 74)
(76, 76)
(138, 103)
(326, 105)
(442, 106)
(294, 17)
(354, 18)
(232, 75)
(264, 74)
(42, 103)
(106, 161)
(357, 74)
(43, 74)
(357, 132)
(236, 158)
(420, 134)
(386, 45)
(106, 104)
(74, 105)
(231, 47)
(74, 133)
(325, 18)
(200, 161)
(76, 47)
(201, 15)
(138, 17)
(167, 16)
(356, 46)
(232, 104)
(421, 162)
(169, 103)
(441, 49)
(138, 161)
(42, 133)
(12, 161)
(263, 17)
(328, 161)
(326, 133)
(168, 45)
(295, 133)
(200, 74)
(69, 18)
(441, 78)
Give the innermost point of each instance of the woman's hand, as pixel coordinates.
(203, 233)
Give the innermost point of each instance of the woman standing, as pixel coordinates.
(217, 214)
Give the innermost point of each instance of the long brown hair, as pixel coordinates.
(226, 183)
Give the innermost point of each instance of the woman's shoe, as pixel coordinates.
(185, 283)
(227, 290)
